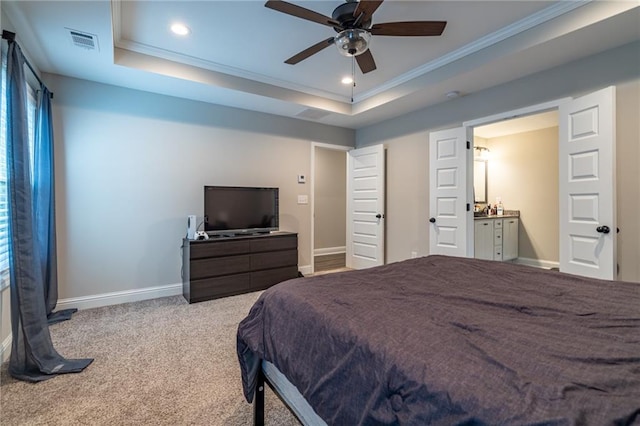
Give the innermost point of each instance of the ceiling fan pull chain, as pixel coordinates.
(353, 75)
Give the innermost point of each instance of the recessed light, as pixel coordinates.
(180, 29)
(453, 94)
(347, 80)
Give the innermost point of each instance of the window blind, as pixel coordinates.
(4, 207)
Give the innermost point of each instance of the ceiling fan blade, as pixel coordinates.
(365, 62)
(301, 12)
(310, 51)
(409, 29)
(366, 8)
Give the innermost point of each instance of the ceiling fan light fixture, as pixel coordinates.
(352, 42)
(347, 80)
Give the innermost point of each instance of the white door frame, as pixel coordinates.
(516, 113)
(312, 180)
(520, 112)
(534, 109)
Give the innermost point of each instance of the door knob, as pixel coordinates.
(603, 229)
(432, 220)
(378, 216)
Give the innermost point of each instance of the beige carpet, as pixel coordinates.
(160, 362)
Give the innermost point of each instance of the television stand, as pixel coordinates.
(229, 265)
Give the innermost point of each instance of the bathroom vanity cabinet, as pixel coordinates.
(496, 237)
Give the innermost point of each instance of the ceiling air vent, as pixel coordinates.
(313, 114)
(84, 40)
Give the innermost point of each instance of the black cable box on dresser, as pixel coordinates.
(226, 266)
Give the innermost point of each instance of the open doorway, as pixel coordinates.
(328, 210)
(586, 190)
(519, 158)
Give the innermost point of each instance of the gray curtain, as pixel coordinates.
(33, 357)
(43, 196)
(44, 205)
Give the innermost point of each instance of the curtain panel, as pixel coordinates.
(33, 357)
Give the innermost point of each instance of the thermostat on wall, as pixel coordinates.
(302, 179)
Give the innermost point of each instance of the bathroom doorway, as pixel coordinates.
(328, 207)
(521, 160)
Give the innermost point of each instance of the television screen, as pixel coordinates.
(235, 210)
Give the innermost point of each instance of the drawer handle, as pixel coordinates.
(485, 224)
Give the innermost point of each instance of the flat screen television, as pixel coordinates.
(232, 210)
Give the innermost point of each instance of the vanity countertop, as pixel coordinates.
(507, 213)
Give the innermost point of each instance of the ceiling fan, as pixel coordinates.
(352, 22)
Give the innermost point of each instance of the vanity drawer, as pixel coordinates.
(497, 237)
(497, 223)
(497, 254)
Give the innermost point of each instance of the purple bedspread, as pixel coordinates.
(443, 340)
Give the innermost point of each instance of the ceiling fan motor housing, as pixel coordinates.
(344, 15)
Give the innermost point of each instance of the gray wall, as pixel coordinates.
(620, 67)
(131, 165)
(330, 198)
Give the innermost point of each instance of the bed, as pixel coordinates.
(443, 340)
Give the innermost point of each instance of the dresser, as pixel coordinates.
(226, 266)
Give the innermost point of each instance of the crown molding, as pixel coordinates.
(170, 55)
(511, 30)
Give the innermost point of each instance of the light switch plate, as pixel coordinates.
(303, 199)
(302, 179)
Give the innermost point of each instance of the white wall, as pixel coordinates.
(618, 67)
(131, 165)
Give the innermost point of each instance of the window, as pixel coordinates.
(4, 219)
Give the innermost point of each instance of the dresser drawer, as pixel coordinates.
(214, 267)
(274, 243)
(212, 288)
(265, 279)
(275, 259)
(205, 249)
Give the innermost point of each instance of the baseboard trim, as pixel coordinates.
(537, 263)
(6, 349)
(118, 297)
(305, 270)
(329, 250)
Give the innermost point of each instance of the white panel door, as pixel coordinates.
(365, 207)
(450, 190)
(587, 185)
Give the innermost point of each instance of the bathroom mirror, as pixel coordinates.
(480, 181)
